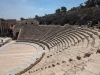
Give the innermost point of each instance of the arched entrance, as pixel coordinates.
(17, 33)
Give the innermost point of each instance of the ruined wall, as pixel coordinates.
(19, 24)
(6, 26)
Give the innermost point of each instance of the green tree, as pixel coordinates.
(22, 19)
(98, 2)
(36, 16)
(75, 8)
(63, 9)
(90, 3)
(81, 6)
(58, 10)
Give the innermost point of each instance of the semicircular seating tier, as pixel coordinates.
(69, 50)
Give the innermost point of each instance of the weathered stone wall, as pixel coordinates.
(21, 24)
(6, 26)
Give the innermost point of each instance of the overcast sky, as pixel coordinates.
(14, 9)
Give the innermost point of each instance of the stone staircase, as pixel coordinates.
(72, 50)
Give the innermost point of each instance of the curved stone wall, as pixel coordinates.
(27, 65)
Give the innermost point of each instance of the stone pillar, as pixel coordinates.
(0, 27)
(98, 26)
(89, 24)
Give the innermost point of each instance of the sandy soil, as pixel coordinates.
(15, 55)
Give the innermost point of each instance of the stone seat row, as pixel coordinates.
(71, 34)
(70, 50)
(64, 60)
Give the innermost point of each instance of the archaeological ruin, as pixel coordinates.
(52, 50)
(44, 41)
(61, 50)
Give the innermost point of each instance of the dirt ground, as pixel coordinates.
(15, 55)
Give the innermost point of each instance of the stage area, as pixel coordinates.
(15, 55)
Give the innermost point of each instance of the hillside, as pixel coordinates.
(79, 17)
